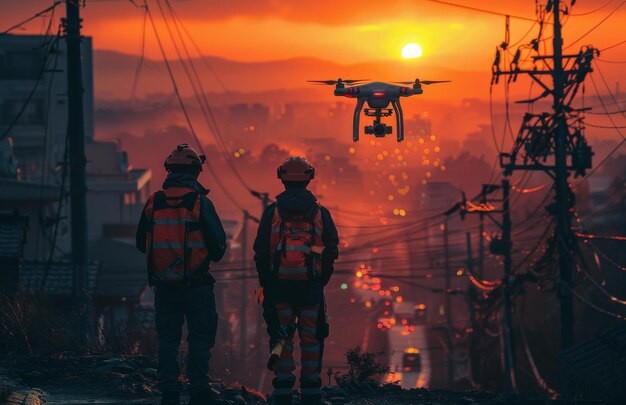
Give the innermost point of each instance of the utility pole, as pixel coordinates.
(258, 343)
(564, 236)
(78, 182)
(471, 294)
(481, 238)
(448, 288)
(545, 140)
(501, 246)
(243, 307)
(509, 345)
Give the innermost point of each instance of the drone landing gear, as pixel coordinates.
(379, 129)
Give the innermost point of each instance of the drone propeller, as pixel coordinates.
(426, 82)
(333, 82)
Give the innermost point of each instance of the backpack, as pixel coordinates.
(296, 244)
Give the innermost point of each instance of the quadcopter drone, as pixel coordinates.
(378, 96)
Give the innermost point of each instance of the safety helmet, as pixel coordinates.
(183, 155)
(295, 168)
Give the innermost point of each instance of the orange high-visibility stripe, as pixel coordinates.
(175, 242)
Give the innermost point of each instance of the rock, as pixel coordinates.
(137, 377)
(115, 365)
(230, 393)
(332, 392)
(150, 372)
(238, 400)
(217, 385)
(252, 394)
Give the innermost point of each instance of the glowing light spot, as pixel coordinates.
(352, 150)
(412, 51)
(433, 138)
(353, 300)
(399, 298)
(359, 274)
(459, 272)
(390, 197)
(344, 286)
(402, 213)
(437, 148)
(420, 141)
(368, 304)
(327, 158)
(421, 307)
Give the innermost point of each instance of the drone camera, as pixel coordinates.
(378, 130)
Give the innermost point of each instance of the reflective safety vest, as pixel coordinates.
(175, 242)
(294, 241)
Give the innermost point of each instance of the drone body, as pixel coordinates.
(378, 96)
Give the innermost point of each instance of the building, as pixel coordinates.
(34, 178)
(33, 162)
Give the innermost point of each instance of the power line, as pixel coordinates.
(596, 26)
(481, 10)
(613, 46)
(610, 61)
(203, 101)
(592, 11)
(30, 95)
(608, 89)
(184, 110)
(133, 88)
(39, 14)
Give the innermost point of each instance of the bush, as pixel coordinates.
(363, 366)
(31, 323)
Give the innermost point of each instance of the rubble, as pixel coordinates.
(132, 379)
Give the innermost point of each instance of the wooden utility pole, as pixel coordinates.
(78, 182)
(243, 307)
(448, 290)
(563, 232)
(545, 141)
(509, 345)
(501, 246)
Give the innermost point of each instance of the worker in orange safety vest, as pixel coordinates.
(181, 233)
(295, 250)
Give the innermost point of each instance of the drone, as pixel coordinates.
(378, 96)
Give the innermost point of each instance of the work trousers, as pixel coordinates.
(307, 320)
(175, 304)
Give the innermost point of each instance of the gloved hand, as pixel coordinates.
(286, 331)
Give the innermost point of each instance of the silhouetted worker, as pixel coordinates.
(181, 234)
(295, 250)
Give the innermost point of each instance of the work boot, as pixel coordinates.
(282, 400)
(311, 400)
(170, 398)
(204, 397)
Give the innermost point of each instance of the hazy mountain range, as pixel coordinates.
(114, 73)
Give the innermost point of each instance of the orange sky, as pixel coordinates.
(340, 31)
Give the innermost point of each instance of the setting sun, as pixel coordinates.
(411, 51)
